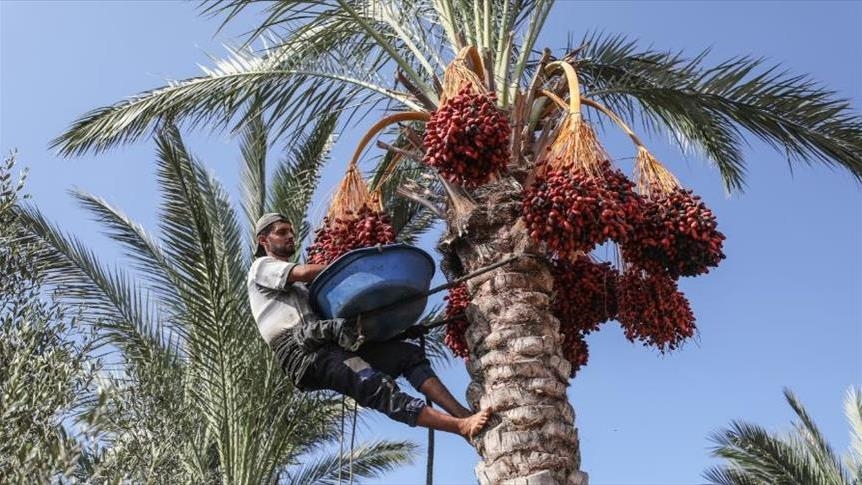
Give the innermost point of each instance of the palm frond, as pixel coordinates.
(709, 107)
(763, 457)
(253, 179)
(417, 225)
(324, 408)
(143, 249)
(411, 22)
(366, 16)
(229, 238)
(818, 448)
(203, 240)
(288, 425)
(297, 176)
(111, 298)
(293, 83)
(397, 28)
(186, 228)
(538, 15)
(731, 476)
(200, 230)
(326, 61)
(853, 411)
(368, 461)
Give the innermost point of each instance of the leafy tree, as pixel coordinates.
(755, 456)
(46, 375)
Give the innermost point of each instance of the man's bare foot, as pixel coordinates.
(471, 425)
(467, 427)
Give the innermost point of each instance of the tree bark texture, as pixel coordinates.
(516, 364)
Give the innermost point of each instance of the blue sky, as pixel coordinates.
(782, 310)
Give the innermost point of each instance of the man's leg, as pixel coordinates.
(440, 395)
(348, 373)
(402, 358)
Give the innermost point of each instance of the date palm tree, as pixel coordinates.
(195, 395)
(351, 56)
(754, 456)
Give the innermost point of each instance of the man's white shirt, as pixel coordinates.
(276, 304)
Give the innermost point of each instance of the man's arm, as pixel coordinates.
(304, 272)
(275, 274)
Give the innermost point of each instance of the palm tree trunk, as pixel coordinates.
(516, 366)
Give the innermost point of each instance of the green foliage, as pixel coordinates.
(297, 176)
(196, 396)
(756, 457)
(708, 107)
(340, 56)
(46, 374)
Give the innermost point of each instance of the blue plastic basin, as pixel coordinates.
(370, 278)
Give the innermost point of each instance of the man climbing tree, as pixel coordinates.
(329, 354)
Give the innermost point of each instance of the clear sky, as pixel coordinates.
(782, 310)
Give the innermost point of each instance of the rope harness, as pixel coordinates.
(341, 442)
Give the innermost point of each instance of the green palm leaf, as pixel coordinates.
(111, 298)
(367, 461)
(730, 476)
(147, 256)
(765, 457)
(405, 26)
(253, 179)
(816, 444)
(708, 107)
(290, 83)
(853, 411)
(754, 456)
(297, 176)
(203, 241)
(380, 29)
(202, 236)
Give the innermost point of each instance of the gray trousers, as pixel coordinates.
(316, 356)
